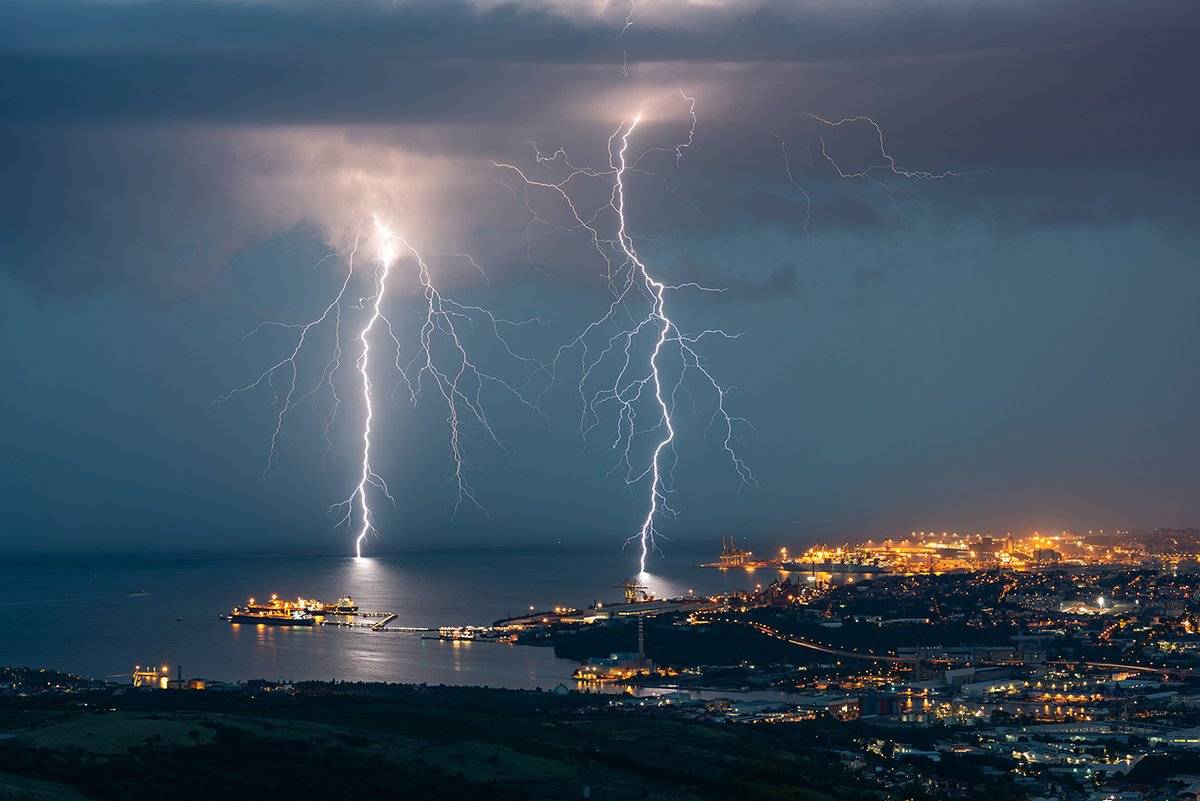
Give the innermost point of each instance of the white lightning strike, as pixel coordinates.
(889, 162)
(787, 169)
(632, 284)
(387, 255)
(881, 163)
(458, 382)
(658, 311)
(628, 24)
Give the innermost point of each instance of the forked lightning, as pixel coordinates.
(611, 342)
(440, 358)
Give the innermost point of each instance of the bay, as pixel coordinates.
(100, 615)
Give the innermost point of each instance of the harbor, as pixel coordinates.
(344, 613)
(637, 601)
(817, 559)
(169, 610)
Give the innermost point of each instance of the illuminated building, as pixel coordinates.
(614, 667)
(153, 677)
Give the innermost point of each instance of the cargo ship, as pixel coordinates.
(276, 605)
(293, 618)
(342, 606)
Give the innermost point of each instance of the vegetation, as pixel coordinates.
(327, 742)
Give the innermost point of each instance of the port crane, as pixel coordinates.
(634, 592)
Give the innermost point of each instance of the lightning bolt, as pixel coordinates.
(599, 345)
(287, 400)
(659, 314)
(368, 476)
(633, 9)
(791, 176)
(881, 163)
(459, 383)
(888, 162)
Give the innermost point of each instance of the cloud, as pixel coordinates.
(782, 281)
(146, 143)
(165, 209)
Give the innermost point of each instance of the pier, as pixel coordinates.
(345, 614)
(382, 624)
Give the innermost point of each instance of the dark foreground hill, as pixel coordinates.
(65, 738)
(364, 742)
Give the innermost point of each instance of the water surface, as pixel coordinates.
(98, 616)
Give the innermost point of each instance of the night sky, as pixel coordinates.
(1009, 347)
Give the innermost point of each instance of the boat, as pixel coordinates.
(277, 605)
(294, 618)
(456, 633)
(342, 606)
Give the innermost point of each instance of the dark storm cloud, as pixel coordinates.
(90, 209)
(433, 62)
(569, 32)
(781, 282)
(119, 135)
(998, 349)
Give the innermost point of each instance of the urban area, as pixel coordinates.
(943, 666)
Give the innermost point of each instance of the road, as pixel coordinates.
(825, 649)
(816, 646)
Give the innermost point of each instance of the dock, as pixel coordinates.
(383, 623)
(379, 625)
(312, 612)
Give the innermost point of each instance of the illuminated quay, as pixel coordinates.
(1038, 661)
(302, 611)
(943, 552)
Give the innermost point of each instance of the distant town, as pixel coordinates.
(1043, 666)
(925, 551)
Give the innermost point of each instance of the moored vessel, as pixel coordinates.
(292, 618)
(277, 605)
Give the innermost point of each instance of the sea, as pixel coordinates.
(99, 616)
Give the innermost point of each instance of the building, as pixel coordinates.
(152, 677)
(614, 667)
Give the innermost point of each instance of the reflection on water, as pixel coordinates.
(641, 691)
(101, 616)
(662, 586)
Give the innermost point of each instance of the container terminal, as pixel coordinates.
(925, 552)
(818, 559)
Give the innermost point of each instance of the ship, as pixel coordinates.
(293, 618)
(276, 605)
(456, 633)
(342, 606)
